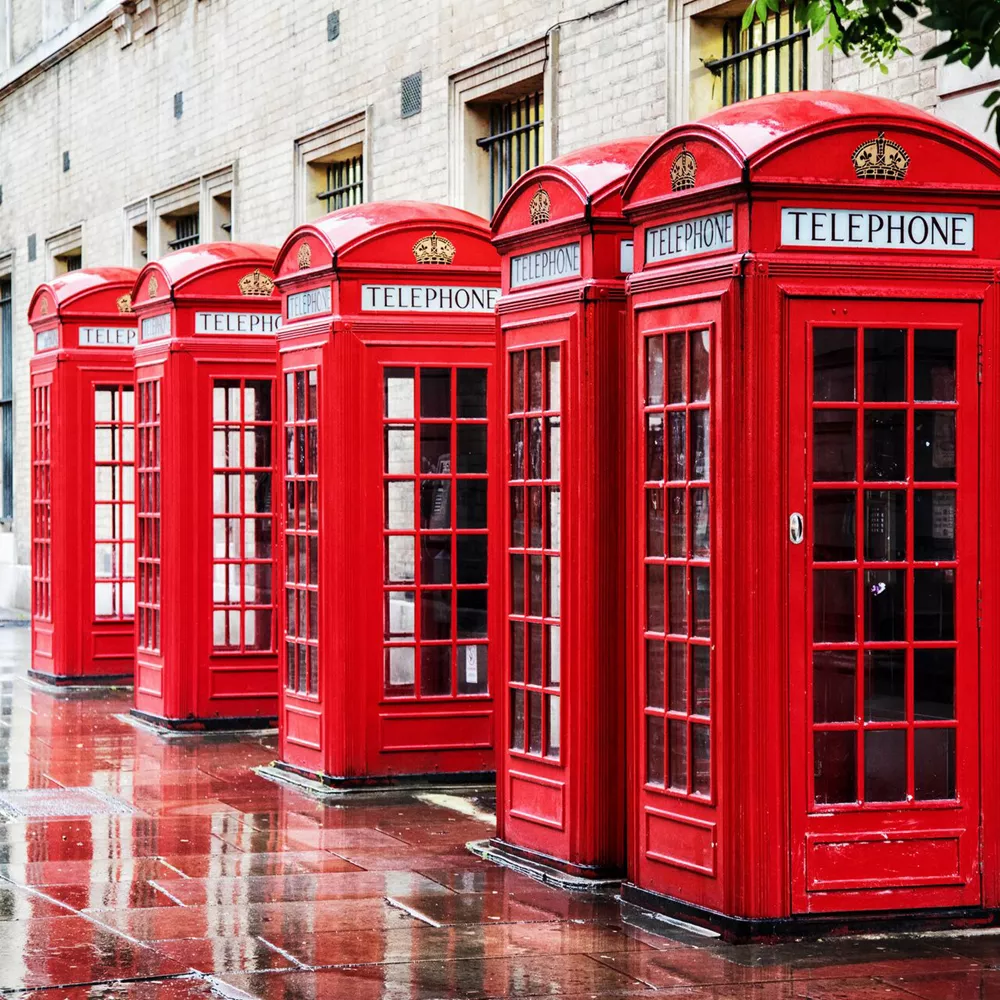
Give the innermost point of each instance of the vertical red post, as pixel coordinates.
(390, 488)
(566, 252)
(82, 480)
(206, 630)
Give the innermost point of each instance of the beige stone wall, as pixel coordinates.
(256, 75)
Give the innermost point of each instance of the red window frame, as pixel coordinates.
(534, 550)
(435, 532)
(41, 501)
(114, 501)
(677, 603)
(148, 465)
(243, 516)
(301, 531)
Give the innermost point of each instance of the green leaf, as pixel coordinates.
(748, 15)
(762, 9)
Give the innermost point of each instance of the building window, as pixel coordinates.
(65, 252)
(243, 608)
(6, 400)
(534, 551)
(514, 143)
(768, 57)
(344, 180)
(331, 165)
(184, 230)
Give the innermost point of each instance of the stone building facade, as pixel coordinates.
(128, 127)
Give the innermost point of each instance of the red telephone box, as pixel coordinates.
(813, 713)
(82, 478)
(566, 251)
(387, 366)
(206, 634)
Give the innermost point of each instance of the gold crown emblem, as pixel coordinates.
(880, 159)
(683, 171)
(539, 206)
(124, 303)
(256, 283)
(153, 287)
(305, 255)
(434, 249)
(43, 307)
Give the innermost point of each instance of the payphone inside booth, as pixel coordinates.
(566, 251)
(811, 487)
(206, 616)
(82, 478)
(390, 484)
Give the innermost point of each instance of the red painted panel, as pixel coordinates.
(679, 840)
(538, 800)
(436, 731)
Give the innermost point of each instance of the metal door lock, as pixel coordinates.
(795, 529)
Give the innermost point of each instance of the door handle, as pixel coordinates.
(795, 529)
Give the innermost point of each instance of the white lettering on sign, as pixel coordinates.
(46, 340)
(702, 234)
(545, 265)
(107, 336)
(472, 665)
(626, 257)
(226, 322)
(156, 327)
(310, 303)
(428, 298)
(876, 230)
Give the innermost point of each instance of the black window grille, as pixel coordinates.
(186, 232)
(514, 143)
(6, 401)
(345, 183)
(769, 57)
(73, 261)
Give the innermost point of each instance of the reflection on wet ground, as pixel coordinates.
(134, 868)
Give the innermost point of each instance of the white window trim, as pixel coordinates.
(678, 62)
(60, 244)
(199, 193)
(326, 141)
(135, 215)
(536, 58)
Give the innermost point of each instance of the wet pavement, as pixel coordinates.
(137, 867)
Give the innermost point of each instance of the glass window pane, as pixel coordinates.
(933, 525)
(700, 368)
(435, 449)
(517, 470)
(399, 450)
(554, 454)
(517, 719)
(535, 448)
(517, 382)
(399, 504)
(677, 753)
(885, 605)
(885, 365)
(399, 611)
(472, 614)
(833, 525)
(553, 734)
(435, 614)
(934, 365)
(400, 559)
(554, 518)
(701, 601)
(933, 684)
(472, 558)
(677, 583)
(555, 657)
(535, 597)
(678, 527)
(654, 750)
(934, 445)
(834, 357)
(534, 380)
(534, 722)
(398, 393)
(933, 605)
(535, 664)
(517, 651)
(517, 585)
(676, 446)
(885, 444)
(401, 670)
(654, 598)
(834, 452)
(701, 681)
(699, 523)
(835, 767)
(517, 519)
(470, 393)
(471, 512)
(885, 765)
(654, 370)
(885, 525)
(885, 685)
(435, 559)
(833, 605)
(833, 685)
(435, 503)
(654, 522)
(435, 670)
(700, 445)
(701, 760)
(553, 380)
(435, 392)
(934, 764)
(553, 571)
(654, 447)
(654, 673)
(676, 368)
(677, 700)
(471, 447)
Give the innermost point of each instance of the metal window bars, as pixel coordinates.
(345, 183)
(186, 232)
(769, 57)
(514, 144)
